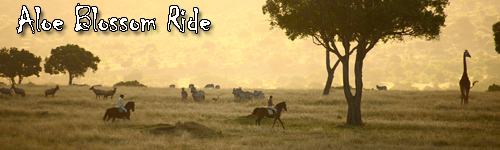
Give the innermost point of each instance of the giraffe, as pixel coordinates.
(465, 82)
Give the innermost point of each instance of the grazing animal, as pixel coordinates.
(217, 87)
(197, 95)
(381, 88)
(114, 113)
(262, 112)
(209, 86)
(258, 94)
(172, 86)
(184, 94)
(110, 93)
(51, 91)
(18, 91)
(97, 92)
(191, 86)
(6, 91)
(215, 99)
(465, 82)
(239, 93)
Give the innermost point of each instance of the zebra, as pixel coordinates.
(258, 94)
(209, 86)
(197, 95)
(238, 93)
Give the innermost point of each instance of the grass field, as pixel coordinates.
(393, 120)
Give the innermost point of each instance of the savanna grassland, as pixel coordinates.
(393, 120)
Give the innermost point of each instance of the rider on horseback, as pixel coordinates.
(270, 106)
(121, 106)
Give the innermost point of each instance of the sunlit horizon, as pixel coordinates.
(241, 50)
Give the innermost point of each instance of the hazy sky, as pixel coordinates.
(240, 50)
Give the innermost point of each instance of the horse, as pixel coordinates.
(114, 113)
(262, 112)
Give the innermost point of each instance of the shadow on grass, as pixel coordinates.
(193, 128)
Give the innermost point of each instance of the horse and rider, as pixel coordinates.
(270, 111)
(121, 111)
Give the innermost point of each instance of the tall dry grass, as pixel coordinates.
(394, 120)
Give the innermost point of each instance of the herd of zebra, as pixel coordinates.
(19, 91)
(199, 95)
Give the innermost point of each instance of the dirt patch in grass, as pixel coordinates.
(193, 128)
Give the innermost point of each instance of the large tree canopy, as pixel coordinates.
(356, 25)
(71, 59)
(496, 34)
(20, 63)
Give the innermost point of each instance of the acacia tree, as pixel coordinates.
(496, 34)
(71, 59)
(19, 63)
(356, 25)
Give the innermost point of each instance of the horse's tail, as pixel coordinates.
(105, 115)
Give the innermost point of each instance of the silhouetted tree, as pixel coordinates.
(334, 23)
(72, 59)
(19, 63)
(496, 34)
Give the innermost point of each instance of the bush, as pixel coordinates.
(341, 87)
(494, 87)
(130, 83)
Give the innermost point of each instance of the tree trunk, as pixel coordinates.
(12, 80)
(328, 84)
(354, 113)
(330, 72)
(354, 110)
(353, 101)
(70, 79)
(20, 79)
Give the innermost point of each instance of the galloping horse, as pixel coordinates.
(114, 113)
(263, 112)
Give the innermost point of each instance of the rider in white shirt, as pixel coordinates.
(121, 104)
(270, 106)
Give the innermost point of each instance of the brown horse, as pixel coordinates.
(114, 113)
(263, 112)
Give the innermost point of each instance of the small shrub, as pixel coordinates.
(494, 87)
(130, 83)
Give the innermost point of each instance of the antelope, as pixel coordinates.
(51, 91)
(97, 92)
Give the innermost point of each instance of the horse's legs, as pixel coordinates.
(275, 121)
(113, 119)
(258, 121)
(281, 123)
